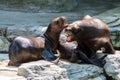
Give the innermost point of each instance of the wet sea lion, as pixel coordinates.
(91, 35)
(24, 49)
(69, 51)
(66, 49)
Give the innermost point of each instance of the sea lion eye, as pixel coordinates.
(67, 31)
(57, 22)
(74, 31)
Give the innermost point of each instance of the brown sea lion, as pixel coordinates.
(24, 49)
(91, 34)
(68, 51)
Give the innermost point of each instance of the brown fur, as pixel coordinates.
(67, 48)
(91, 35)
(25, 49)
(69, 51)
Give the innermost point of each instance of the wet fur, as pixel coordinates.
(91, 34)
(24, 49)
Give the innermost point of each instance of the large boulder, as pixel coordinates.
(112, 67)
(43, 70)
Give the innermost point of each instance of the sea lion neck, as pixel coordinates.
(53, 35)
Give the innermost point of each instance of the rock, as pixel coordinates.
(32, 31)
(42, 71)
(63, 71)
(9, 72)
(40, 5)
(81, 71)
(110, 15)
(112, 67)
(100, 77)
(4, 44)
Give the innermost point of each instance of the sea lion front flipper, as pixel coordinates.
(99, 62)
(49, 56)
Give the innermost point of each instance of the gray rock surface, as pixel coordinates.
(112, 67)
(83, 6)
(63, 71)
(110, 15)
(42, 70)
(39, 5)
(4, 44)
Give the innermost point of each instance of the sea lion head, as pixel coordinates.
(72, 31)
(58, 24)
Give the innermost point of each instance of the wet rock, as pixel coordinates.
(4, 44)
(110, 15)
(32, 31)
(47, 71)
(100, 77)
(42, 70)
(63, 71)
(82, 71)
(112, 67)
(40, 5)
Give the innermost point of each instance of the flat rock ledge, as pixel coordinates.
(43, 70)
(112, 67)
(64, 70)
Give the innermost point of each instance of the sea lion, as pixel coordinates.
(91, 35)
(24, 49)
(69, 51)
